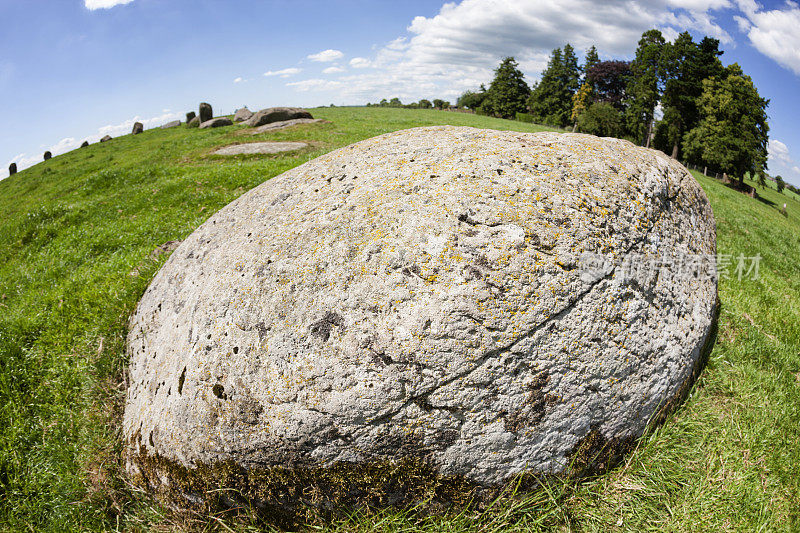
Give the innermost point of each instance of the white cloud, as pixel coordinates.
(333, 70)
(70, 143)
(326, 56)
(314, 85)
(781, 162)
(238, 80)
(774, 33)
(360, 62)
(104, 4)
(285, 73)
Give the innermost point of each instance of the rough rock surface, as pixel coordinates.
(276, 114)
(105, 138)
(416, 297)
(47, 155)
(260, 148)
(84, 144)
(282, 124)
(138, 128)
(216, 122)
(206, 113)
(194, 123)
(242, 114)
(190, 115)
(12, 169)
(173, 124)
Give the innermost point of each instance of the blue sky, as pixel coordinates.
(77, 69)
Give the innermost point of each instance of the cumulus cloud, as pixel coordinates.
(104, 4)
(316, 84)
(333, 70)
(285, 73)
(781, 162)
(775, 33)
(360, 62)
(70, 143)
(326, 56)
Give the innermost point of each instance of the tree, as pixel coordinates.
(438, 103)
(580, 102)
(471, 99)
(609, 80)
(384, 103)
(762, 180)
(395, 102)
(601, 119)
(551, 99)
(644, 87)
(732, 133)
(508, 91)
(425, 104)
(780, 183)
(591, 60)
(685, 65)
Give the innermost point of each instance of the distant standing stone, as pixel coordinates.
(138, 128)
(85, 144)
(12, 169)
(189, 116)
(242, 114)
(106, 138)
(47, 155)
(216, 122)
(173, 124)
(276, 114)
(206, 113)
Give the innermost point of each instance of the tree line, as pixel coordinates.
(711, 115)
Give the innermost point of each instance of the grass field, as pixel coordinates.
(76, 238)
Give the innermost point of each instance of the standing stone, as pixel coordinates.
(194, 123)
(206, 113)
(105, 138)
(138, 128)
(216, 122)
(47, 155)
(189, 116)
(440, 308)
(84, 144)
(242, 114)
(12, 169)
(276, 114)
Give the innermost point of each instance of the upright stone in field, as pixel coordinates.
(105, 138)
(432, 311)
(206, 113)
(138, 128)
(84, 144)
(47, 155)
(242, 114)
(189, 116)
(12, 169)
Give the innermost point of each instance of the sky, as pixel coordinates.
(75, 70)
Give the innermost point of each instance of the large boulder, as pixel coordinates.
(194, 123)
(47, 155)
(12, 169)
(190, 115)
(276, 114)
(205, 112)
(216, 122)
(105, 138)
(171, 124)
(242, 114)
(431, 312)
(85, 144)
(138, 128)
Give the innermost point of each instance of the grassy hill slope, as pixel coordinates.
(77, 235)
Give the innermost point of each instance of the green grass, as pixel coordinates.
(76, 237)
